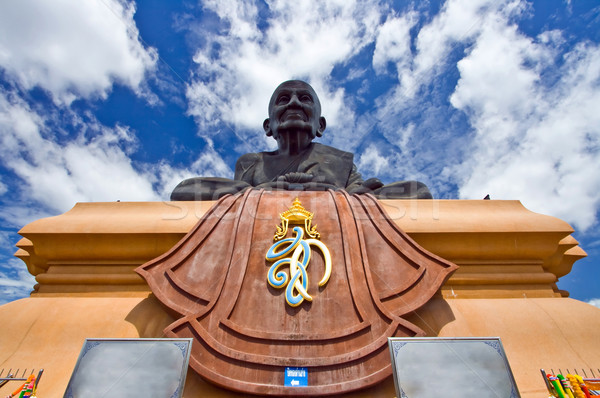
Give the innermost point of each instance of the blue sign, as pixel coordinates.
(296, 377)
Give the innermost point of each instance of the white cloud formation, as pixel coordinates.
(371, 161)
(536, 135)
(392, 43)
(15, 283)
(535, 141)
(208, 163)
(94, 166)
(303, 39)
(73, 48)
(457, 23)
(59, 155)
(412, 114)
(6, 239)
(595, 302)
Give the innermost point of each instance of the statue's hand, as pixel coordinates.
(318, 186)
(359, 190)
(367, 186)
(290, 186)
(275, 185)
(372, 183)
(296, 177)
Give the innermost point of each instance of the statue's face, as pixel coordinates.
(294, 106)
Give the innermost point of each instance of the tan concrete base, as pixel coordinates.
(549, 333)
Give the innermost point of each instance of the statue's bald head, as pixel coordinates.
(294, 105)
(296, 84)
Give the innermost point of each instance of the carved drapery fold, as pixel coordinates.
(245, 334)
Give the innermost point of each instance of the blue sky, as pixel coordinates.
(106, 100)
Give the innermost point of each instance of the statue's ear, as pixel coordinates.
(267, 127)
(322, 125)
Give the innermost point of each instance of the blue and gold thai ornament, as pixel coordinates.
(295, 252)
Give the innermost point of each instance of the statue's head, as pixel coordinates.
(294, 106)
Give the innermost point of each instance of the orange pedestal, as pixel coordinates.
(509, 261)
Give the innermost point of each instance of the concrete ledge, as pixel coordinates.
(503, 249)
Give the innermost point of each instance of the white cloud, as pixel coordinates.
(535, 141)
(73, 48)
(18, 214)
(371, 162)
(413, 114)
(393, 42)
(208, 164)
(594, 302)
(94, 166)
(536, 129)
(26, 280)
(6, 238)
(16, 282)
(458, 23)
(303, 39)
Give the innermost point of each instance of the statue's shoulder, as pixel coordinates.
(326, 150)
(249, 159)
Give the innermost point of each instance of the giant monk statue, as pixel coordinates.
(298, 163)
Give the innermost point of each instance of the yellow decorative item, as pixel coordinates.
(575, 385)
(296, 253)
(296, 215)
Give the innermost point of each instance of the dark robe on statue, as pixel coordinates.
(327, 165)
(318, 168)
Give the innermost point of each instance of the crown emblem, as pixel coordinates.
(296, 215)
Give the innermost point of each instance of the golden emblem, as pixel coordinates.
(296, 215)
(295, 252)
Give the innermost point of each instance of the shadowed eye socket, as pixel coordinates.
(282, 99)
(305, 98)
